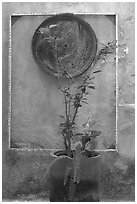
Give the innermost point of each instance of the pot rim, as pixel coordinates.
(65, 156)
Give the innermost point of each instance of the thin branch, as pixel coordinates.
(76, 110)
(69, 104)
(66, 108)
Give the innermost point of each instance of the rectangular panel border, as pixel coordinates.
(10, 71)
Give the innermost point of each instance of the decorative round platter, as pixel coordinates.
(64, 45)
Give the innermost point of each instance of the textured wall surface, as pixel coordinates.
(36, 100)
(24, 172)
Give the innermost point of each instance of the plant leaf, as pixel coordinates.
(84, 102)
(91, 87)
(79, 134)
(95, 133)
(97, 71)
(79, 87)
(61, 116)
(92, 77)
(62, 124)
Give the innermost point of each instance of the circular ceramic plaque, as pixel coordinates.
(64, 45)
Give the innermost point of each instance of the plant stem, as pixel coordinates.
(76, 110)
(66, 109)
(74, 116)
(69, 147)
(69, 102)
(65, 143)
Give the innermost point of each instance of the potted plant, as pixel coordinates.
(74, 174)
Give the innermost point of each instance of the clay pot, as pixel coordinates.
(87, 190)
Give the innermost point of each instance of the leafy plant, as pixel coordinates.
(74, 100)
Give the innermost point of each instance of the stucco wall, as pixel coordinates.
(16, 165)
(37, 101)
